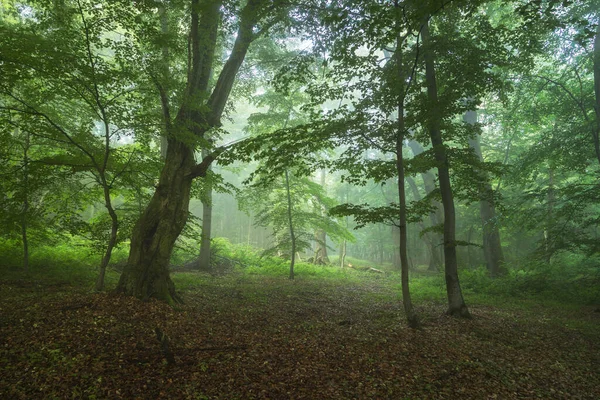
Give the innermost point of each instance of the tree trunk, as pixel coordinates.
(411, 316)
(204, 259)
(492, 247)
(164, 29)
(147, 271)
(430, 237)
(26, 146)
(596, 129)
(343, 248)
(291, 223)
(456, 303)
(396, 262)
(320, 235)
(469, 238)
(321, 256)
(548, 236)
(114, 220)
(112, 240)
(436, 240)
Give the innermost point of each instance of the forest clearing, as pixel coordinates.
(260, 336)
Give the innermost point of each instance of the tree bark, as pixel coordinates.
(147, 271)
(320, 234)
(114, 220)
(434, 258)
(291, 223)
(344, 246)
(204, 259)
(396, 262)
(112, 240)
(164, 29)
(24, 218)
(456, 303)
(411, 316)
(436, 240)
(548, 231)
(596, 129)
(492, 247)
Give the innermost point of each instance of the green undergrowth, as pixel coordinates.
(566, 281)
(69, 262)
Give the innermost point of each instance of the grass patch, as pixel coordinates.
(64, 263)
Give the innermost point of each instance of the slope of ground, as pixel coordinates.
(256, 337)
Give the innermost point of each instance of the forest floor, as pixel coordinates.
(258, 337)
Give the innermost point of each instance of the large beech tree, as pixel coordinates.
(146, 273)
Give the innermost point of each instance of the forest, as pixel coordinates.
(299, 199)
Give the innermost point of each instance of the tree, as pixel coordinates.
(291, 204)
(456, 303)
(67, 71)
(433, 237)
(411, 316)
(205, 237)
(146, 273)
(492, 248)
(320, 235)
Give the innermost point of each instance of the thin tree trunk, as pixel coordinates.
(112, 241)
(469, 238)
(249, 230)
(26, 146)
(492, 247)
(596, 129)
(320, 234)
(164, 29)
(114, 220)
(204, 259)
(291, 223)
(436, 249)
(548, 239)
(396, 262)
(411, 316)
(343, 250)
(456, 303)
(434, 254)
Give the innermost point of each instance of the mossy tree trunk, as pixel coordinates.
(204, 259)
(147, 271)
(492, 247)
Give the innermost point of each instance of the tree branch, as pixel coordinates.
(200, 170)
(245, 36)
(568, 92)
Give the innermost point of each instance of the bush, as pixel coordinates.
(572, 280)
(68, 262)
